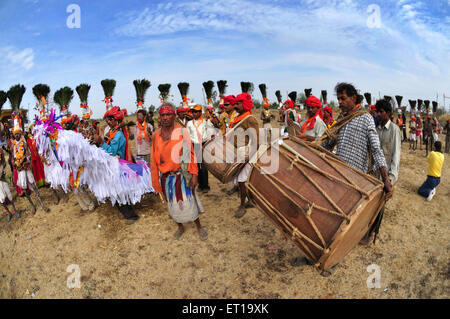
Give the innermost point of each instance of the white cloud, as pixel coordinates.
(16, 58)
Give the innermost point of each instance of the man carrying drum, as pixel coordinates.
(356, 141)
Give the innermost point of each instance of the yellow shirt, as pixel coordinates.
(435, 161)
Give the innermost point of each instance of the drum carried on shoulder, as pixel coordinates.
(320, 202)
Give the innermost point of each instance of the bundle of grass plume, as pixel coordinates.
(359, 99)
(15, 95)
(108, 86)
(435, 106)
(247, 87)
(308, 93)
(41, 91)
(293, 96)
(419, 104)
(141, 87)
(208, 86)
(63, 97)
(184, 88)
(3, 98)
(324, 94)
(412, 104)
(279, 97)
(399, 99)
(368, 97)
(222, 86)
(164, 90)
(83, 92)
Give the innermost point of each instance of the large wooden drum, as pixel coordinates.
(317, 200)
(220, 159)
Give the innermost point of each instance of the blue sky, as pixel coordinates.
(289, 45)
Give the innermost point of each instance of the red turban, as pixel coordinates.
(373, 107)
(290, 104)
(116, 113)
(313, 102)
(246, 100)
(180, 110)
(229, 99)
(329, 110)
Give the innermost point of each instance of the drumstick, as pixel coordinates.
(298, 155)
(161, 198)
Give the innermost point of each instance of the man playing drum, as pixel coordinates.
(356, 140)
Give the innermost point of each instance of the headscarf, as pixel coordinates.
(246, 100)
(329, 110)
(312, 101)
(166, 110)
(290, 104)
(229, 99)
(116, 112)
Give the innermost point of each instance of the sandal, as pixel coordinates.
(203, 234)
(249, 205)
(8, 217)
(16, 214)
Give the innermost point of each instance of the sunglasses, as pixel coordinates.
(196, 111)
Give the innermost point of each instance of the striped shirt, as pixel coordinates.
(354, 141)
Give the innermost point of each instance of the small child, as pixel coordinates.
(435, 160)
(5, 193)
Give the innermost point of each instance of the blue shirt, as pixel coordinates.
(116, 146)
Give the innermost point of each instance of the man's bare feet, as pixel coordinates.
(178, 233)
(240, 212)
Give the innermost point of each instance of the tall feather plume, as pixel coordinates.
(412, 104)
(323, 93)
(41, 91)
(184, 88)
(83, 92)
(263, 89)
(63, 97)
(108, 86)
(222, 86)
(15, 95)
(427, 105)
(419, 104)
(279, 98)
(368, 97)
(164, 90)
(3, 98)
(359, 98)
(208, 86)
(399, 99)
(247, 87)
(293, 96)
(141, 87)
(308, 93)
(435, 106)
(387, 98)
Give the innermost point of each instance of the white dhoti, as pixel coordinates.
(25, 178)
(4, 192)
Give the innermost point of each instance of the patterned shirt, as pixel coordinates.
(354, 141)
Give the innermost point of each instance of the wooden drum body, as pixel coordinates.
(220, 158)
(320, 202)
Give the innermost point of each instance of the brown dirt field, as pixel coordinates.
(144, 261)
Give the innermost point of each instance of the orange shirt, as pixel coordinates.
(161, 155)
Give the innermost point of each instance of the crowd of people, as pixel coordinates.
(172, 147)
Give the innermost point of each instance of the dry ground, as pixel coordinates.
(245, 258)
